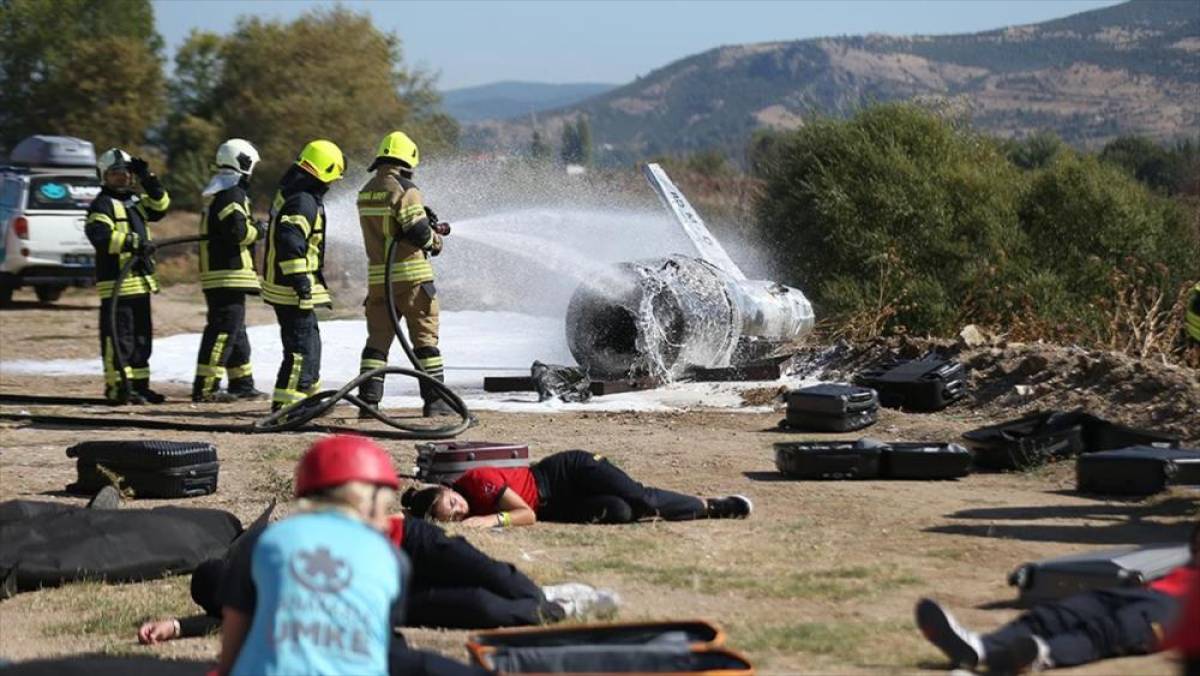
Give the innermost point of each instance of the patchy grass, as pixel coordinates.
(275, 484)
(112, 613)
(845, 641)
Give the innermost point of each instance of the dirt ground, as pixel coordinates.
(821, 579)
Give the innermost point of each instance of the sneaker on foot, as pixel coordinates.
(580, 600)
(961, 645)
(730, 507)
(106, 498)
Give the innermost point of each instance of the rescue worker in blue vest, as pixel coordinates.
(293, 282)
(390, 209)
(117, 227)
(227, 275)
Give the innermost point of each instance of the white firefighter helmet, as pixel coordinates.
(113, 158)
(237, 154)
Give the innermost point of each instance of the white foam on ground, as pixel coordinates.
(475, 344)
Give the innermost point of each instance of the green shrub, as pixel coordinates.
(895, 211)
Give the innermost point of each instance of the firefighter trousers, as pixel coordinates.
(417, 305)
(300, 372)
(224, 347)
(133, 343)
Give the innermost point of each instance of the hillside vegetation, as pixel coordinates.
(1129, 69)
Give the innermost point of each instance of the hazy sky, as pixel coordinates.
(471, 42)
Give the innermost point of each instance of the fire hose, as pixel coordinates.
(298, 417)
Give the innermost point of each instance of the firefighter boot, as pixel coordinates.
(141, 387)
(435, 406)
(201, 395)
(371, 392)
(243, 388)
(122, 394)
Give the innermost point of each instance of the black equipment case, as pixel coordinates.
(1063, 576)
(916, 460)
(860, 459)
(150, 469)
(1053, 435)
(927, 384)
(1138, 470)
(445, 461)
(687, 647)
(831, 407)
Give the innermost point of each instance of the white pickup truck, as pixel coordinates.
(45, 191)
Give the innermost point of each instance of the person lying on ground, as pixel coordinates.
(320, 591)
(453, 586)
(567, 487)
(1079, 629)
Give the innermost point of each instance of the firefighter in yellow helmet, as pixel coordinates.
(390, 208)
(293, 282)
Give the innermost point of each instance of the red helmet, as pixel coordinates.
(341, 458)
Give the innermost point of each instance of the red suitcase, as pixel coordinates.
(445, 461)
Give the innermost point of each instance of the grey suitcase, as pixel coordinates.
(1063, 576)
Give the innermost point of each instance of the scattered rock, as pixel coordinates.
(973, 336)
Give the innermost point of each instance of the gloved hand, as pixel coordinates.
(139, 168)
(435, 244)
(263, 227)
(305, 296)
(433, 219)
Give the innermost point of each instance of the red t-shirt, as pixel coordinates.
(483, 486)
(1177, 582)
(396, 530)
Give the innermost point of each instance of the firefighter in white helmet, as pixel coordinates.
(117, 227)
(227, 276)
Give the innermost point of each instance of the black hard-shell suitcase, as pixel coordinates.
(831, 407)
(1027, 441)
(916, 460)
(1051, 435)
(927, 384)
(445, 461)
(860, 459)
(150, 469)
(1063, 576)
(1138, 470)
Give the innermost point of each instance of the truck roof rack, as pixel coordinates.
(54, 151)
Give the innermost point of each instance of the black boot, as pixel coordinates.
(435, 406)
(202, 396)
(243, 388)
(122, 394)
(142, 387)
(729, 507)
(371, 392)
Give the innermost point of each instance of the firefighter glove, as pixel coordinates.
(139, 168)
(435, 244)
(433, 219)
(263, 227)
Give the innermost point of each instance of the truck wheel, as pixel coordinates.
(6, 290)
(48, 294)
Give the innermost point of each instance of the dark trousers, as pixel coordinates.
(456, 586)
(580, 487)
(300, 372)
(133, 342)
(224, 347)
(1093, 625)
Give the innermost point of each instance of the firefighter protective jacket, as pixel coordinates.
(225, 259)
(115, 223)
(389, 207)
(292, 269)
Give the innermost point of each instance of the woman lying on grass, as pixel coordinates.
(567, 487)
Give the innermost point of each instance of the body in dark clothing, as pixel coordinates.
(582, 487)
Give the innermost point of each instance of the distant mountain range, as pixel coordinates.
(501, 100)
(1129, 68)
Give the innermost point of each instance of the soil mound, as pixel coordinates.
(1010, 379)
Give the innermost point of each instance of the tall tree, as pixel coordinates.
(329, 74)
(569, 148)
(539, 150)
(68, 65)
(583, 131)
